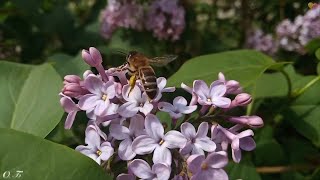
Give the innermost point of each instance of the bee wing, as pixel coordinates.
(163, 60)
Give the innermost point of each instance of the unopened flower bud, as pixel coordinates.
(71, 79)
(92, 57)
(74, 90)
(242, 99)
(233, 87)
(251, 121)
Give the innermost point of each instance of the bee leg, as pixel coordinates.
(132, 83)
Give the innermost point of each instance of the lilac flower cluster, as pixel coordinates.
(290, 36)
(123, 126)
(262, 42)
(164, 18)
(121, 13)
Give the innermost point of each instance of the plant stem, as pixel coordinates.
(307, 86)
(286, 75)
(281, 169)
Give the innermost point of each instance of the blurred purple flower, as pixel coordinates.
(99, 99)
(208, 168)
(178, 108)
(166, 19)
(142, 170)
(262, 42)
(156, 141)
(137, 101)
(197, 142)
(127, 135)
(94, 149)
(212, 96)
(121, 13)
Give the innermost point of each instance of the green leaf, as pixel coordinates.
(30, 100)
(304, 112)
(244, 170)
(318, 54)
(271, 85)
(42, 159)
(65, 64)
(318, 68)
(268, 151)
(244, 66)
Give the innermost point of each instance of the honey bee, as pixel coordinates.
(139, 67)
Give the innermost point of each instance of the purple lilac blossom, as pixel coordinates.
(197, 142)
(142, 169)
(208, 168)
(126, 124)
(166, 19)
(119, 132)
(293, 36)
(121, 13)
(178, 108)
(212, 96)
(95, 149)
(262, 42)
(137, 101)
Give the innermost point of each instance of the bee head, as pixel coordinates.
(131, 54)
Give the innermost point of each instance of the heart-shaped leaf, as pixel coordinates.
(29, 157)
(244, 66)
(30, 100)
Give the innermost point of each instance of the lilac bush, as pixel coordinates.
(125, 127)
(164, 18)
(290, 35)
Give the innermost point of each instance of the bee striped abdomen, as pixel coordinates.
(149, 81)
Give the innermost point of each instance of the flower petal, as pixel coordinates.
(202, 130)
(119, 132)
(188, 130)
(187, 109)
(201, 89)
(161, 81)
(147, 108)
(101, 108)
(217, 160)
(153, 127)
(206, 144)
(179, 101)
(221, 102)
(88, 101)
(141, 169)
(162, 171)
(217, 89)
(236, 155)
(106, 151)
(70, 118)
(166, 107)
(144, 145)
(174, 139)
(93, 84)
(68, 105)
(162, 155)
(136, 125)
(126, 177)
(128, 109)
(125, 150)
(134, 96)
(194, 163)
(247, 144)
(92, 137)
(187, 148)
